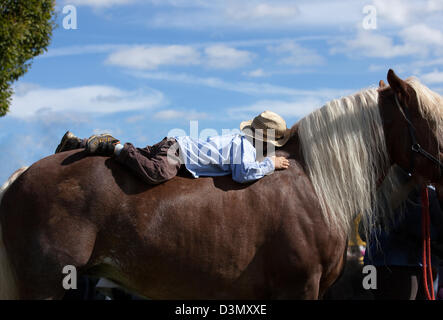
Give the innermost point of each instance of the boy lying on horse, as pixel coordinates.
(215, 156)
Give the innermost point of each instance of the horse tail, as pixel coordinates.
(8, 285)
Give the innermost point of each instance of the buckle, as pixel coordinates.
(416, 147)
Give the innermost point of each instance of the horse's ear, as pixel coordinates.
(382, 84)
(399, 86)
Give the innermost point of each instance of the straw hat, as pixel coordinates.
(267, 120)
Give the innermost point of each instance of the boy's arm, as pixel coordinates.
(248, 169)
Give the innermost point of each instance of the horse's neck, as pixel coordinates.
(292, 149)
(402, 188)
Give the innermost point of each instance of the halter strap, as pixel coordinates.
(415, 145)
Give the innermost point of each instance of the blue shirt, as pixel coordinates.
(223, 155)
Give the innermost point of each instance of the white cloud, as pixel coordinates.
(158, 3)
(180, 3)
(435, 5)
(224, 57)
(151, 57)
(415, 40)
(30, 100)
(257, 73)
(397, 11)
(371, 44)
(262, 14)
(411, 67)
(408, 12)
(296, 55)
(98, 3)
(297, 109)
(422, 36)
(114, 48)
(136, 118)
(432, 77)
(429, 62)
(251, 88)
(217, 56)
(377, 68)
(80, 50)
(306, 100)
(254, 11)
(171, 114)
(25, 87)
(275, 14)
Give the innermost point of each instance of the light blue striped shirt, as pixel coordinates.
(223, 155)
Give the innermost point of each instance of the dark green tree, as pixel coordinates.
(25, 31)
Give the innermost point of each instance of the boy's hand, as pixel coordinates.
(280, 162)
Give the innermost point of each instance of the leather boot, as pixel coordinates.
(103, 144)
(68, 142)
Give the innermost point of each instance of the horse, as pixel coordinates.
(281, 237)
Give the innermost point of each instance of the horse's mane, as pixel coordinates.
(430, 106)
(344, 149)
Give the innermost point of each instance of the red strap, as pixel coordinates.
(426, 238)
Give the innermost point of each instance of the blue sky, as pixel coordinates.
(139, 69)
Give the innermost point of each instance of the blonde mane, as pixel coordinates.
(344, 148)
(430, 106)
(345, 152)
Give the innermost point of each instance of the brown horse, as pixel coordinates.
(281, 237)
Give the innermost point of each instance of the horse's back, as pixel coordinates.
(182, 238)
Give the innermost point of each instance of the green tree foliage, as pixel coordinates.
(25, 31)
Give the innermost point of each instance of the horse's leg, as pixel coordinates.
(335, 272)
(303, 288)
(40, 253)
(45, 229)
(296, 278)
(307, 262)
(312, 288)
